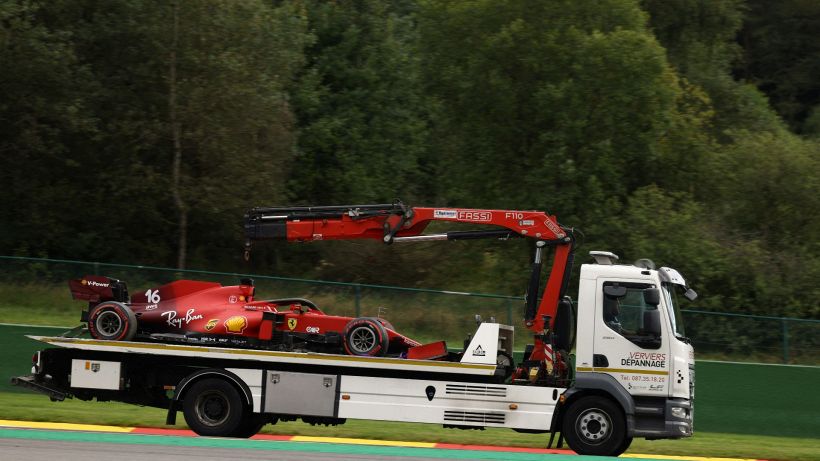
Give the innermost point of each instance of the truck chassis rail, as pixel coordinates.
(30, 382)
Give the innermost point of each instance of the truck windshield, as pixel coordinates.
(671, 297)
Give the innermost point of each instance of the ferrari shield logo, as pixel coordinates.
(292, 323)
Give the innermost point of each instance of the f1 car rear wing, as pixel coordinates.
(96, 289)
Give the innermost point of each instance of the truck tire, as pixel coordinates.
(112, 321)
(624, 446)
(250, 426)
(365, 337)
(213, 407)
(596, 426)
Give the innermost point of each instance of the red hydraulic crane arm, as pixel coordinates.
(385, 222)
(396, 222)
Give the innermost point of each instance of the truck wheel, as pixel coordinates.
(366, 337)
(595, 425)
(250, 426)
(112, 321)
(213, 407)
(624, 446)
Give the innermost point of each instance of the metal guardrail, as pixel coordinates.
(726, 334)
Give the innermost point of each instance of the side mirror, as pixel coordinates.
(690, 294)
(652, 323)
(615, 291)
(652, 296)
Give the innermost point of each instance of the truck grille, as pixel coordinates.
(473, 417)
(468, 389)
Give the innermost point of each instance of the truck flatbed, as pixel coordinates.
(272, 357)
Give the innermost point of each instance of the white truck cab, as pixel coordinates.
(633, 345)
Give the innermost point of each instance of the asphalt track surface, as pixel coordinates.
(37, 444)
(88, 451)
(40, 441)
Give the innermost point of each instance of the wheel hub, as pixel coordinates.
(212, 409)
(362, 340)
(594, 426)
(109, 323)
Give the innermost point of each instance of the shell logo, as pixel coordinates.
(84, 282)
(236, 324)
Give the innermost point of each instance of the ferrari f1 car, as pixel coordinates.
(194, 312)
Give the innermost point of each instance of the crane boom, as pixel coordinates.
(396, 222)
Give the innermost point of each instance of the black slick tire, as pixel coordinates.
(112, 321)
(365, 337)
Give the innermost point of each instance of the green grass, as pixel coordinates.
(32, 407)
(37, 304)
(426, 317)
(40, 304)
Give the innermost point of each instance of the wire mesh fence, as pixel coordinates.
(34, 290)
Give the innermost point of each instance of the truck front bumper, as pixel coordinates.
(666, 419)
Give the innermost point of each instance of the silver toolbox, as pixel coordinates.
(95, 374)
(305, 394)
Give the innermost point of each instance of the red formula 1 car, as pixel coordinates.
(193, 312)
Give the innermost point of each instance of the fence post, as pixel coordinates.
(785, 325)
(358, 291)
(509, 312)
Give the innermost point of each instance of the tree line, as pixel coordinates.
(683, 131)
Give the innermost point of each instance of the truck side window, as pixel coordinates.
(623, 312)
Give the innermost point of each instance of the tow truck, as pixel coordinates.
(599, 372)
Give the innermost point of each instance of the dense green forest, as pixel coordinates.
(684, 131)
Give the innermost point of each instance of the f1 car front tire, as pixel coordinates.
(365, 337)
(112, 321)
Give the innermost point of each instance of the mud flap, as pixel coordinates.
(171, 418)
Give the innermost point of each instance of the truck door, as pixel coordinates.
(630, 342)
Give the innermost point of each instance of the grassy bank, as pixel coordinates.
(51, 305)
(37, 304)
(32, 407)
(423, 316)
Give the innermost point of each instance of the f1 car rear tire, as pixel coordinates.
(365, 336)
(213, 407)
(112, 321)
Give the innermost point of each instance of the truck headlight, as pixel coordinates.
(679, 412)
